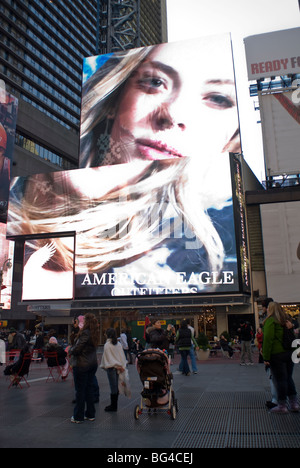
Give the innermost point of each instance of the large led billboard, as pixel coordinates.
(45, 274)
(6, 270)
(133, 242)
(8, 119)
(157, 207)
(274, 53)
(282, 251)
(168, 101)
(280, 119)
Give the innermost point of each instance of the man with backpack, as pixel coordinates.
(245, 334)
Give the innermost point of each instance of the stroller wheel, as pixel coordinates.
(173, 412)
(176, 404)
(137, 412)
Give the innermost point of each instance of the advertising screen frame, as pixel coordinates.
(273, 54)
(281, 132)
(242, 282)
(37, 279)
(8, 122)
(166, 198)
(282, 251)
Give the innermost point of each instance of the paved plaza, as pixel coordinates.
(222, 406)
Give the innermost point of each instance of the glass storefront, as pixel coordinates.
(207, 322)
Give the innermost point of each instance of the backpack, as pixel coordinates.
(288, 338)
(246, 332)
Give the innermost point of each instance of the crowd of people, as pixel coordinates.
(80, 354)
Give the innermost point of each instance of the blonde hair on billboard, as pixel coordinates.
(124, 222)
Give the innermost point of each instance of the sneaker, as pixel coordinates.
(89, 419)
(195, 372)
(294, 406)
(242, 364)
(75, 421)
(279, 409)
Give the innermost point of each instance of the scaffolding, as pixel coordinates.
(118, 25)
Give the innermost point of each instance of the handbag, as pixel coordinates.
(124, 384)
(288, 338)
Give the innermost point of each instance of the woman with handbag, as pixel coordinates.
(279, 359)
(113, 362)
(85, 364)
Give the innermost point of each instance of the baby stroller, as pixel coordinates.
(158, 395)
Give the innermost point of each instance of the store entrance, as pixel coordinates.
(234, 321)
(207, 322)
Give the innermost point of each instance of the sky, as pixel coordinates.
(188, 19)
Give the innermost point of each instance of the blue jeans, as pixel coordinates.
(184, 362)
(193, 360)
(113, 379)
(84, 380)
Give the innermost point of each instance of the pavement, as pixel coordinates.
(222, 406)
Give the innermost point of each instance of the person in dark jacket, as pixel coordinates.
(19, 368)
(85, 364)
(39, 344)
(184, 341)
(18, 340)
(225, 346)
(245, 334)
(54, 347)
(158, 337)
(61, 360)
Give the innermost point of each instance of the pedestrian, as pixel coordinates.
(124, 343)
(137, 346)
(158, 336)
(113, 362)
(130, 344)
(18, 340)
(225, 346)
(171, 334)
(279, 359)
(274, 396)
(184, 339)
(61, 360)
(192, 352)
(148, 330)
(18, 369)
(39, 344)
(264, 311)
(258, 342)
(84, 362)
(246, 335)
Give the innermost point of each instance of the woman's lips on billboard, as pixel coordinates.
(156, 150)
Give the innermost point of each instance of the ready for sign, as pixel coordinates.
(275, 65)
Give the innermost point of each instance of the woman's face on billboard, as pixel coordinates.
(178, 103)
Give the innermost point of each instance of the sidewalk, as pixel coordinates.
(223, 406)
